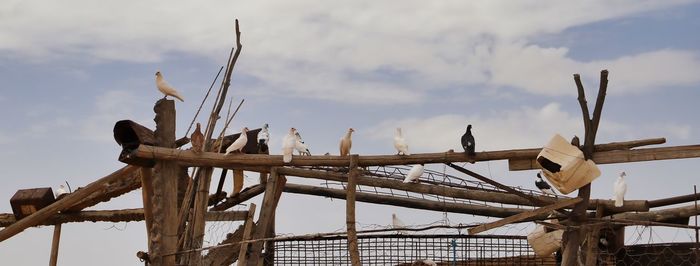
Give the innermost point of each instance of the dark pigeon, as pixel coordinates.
(468, 142)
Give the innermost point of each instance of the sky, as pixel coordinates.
(71, 69)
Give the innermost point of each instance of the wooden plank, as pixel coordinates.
(350, 212)
(54, 245)
(621, 156)
(254, 162)
(147, 196)
(460, 193)
(245, 195)
(242, 258)
(407, 202)
(276, 182)
(67, 201)
(524, 215)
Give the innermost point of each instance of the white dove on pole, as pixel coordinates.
(61, 190)
(239, 143)
(165, 88)
(415, 173)
(346, 143)
(400, 143)
(299, 145)
(288, 144)
(620, 189)
(264, 138)
(396, 222)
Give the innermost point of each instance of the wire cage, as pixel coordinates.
(398, 249)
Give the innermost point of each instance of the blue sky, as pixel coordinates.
(72, 69)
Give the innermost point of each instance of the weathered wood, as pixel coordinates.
(669, 215)
(524, 215)
(226, 255)
(350, 212)
(115, 216)
(673, 200)
(470, 194)
(622, 156)
(243, 196)
(407, 202)
(67, 201)
(259, 162)
(273, 188)
(109, 191)
(593, 238)
(54, 245)
(237, 181)
(147, 196)
(248, 228)
(164, 226)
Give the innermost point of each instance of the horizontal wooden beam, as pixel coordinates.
(461, 193)
(673, 200)
(524, 215)
(115, 216)
(407, 202)
(109, 191)
(621, 156)
(251, 161)
(669, 215)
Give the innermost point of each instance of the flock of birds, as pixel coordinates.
(293, 141)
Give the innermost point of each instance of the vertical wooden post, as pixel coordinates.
(54, 245)
(164, 226)
(242, 258)
(237, 181)
(593, 238)
(147, 195)
(273, 192)
(350, 212)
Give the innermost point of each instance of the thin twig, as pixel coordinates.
(203, 100)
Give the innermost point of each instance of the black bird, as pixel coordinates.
(543, 185)
(468, 141)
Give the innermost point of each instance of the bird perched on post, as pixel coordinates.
(197, 139)
(400, 143)
(620, 189)
(468, 141)
(264, 138)
(61, 191)
(165, 88)
(239, 143)
(346, 143)
(288, 144)
(396, 223)
(299, 144)
(543, 185)
(415, 173)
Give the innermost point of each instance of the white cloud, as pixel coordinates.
(358, 52)
(110, 107)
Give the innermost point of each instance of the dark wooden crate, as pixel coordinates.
(28, 201)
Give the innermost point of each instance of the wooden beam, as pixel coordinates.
(407, 202)
(673, 200)
(523, 215)
(67, 201)
(109, 191)
(239, 198)
(226, 255)
(350, 212)
(147, 197)
(115, 216)
(259, 162)
(54, 245)
(663, 216)
(272, 190)
(460, 193)
(248, 228)
(621, 156)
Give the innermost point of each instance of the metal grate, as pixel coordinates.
(406, 249)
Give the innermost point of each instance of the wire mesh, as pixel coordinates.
(396, 249)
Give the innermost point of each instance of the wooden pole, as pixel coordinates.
(242, 258)
(273, 191)
(54, 245)
(523, 215)
(260, 163)
(245, 195)
(67, 201)
(350, 212)
(164, 225)
(593, 238)
(147, 196)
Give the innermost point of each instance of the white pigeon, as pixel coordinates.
(346, 143)
(620, 189)
(61, 190)
(264, 135)
(288, 144)
(239, 143)
(396, 222)
(415, 173)
(299, 145)
(165, 88)
(400, 143)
